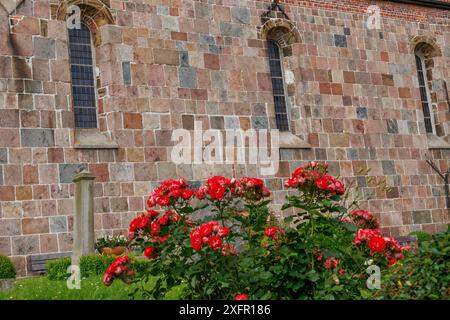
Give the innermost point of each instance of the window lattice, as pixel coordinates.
(424, 94)
(279, 97)
(83, 82)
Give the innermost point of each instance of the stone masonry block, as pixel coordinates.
(35, 225)
(188, 77)
(9, 118)
(37, 137)
(58, 224)
(119, 204)
(145, 172)
(240, 15)
(68, 171)
(166, 56)
(231, 29)
(44, 48)
(10, 137)
(10, 227)
(121, 172)
(24, 245)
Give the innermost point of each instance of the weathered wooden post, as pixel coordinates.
(83, 230)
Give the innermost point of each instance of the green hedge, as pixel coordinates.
(424, 274)
(90, 265)
(7, 269)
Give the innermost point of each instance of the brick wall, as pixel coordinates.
(355, 100)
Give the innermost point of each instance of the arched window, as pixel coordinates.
(424, 91)
(83, 77)
(279, 96)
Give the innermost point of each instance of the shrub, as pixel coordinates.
(423, 275)
(90, 265)
(319, 252)
(7, 269)
(57, 269)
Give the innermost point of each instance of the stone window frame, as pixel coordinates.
(427, 79)
(285, 33)
(94, 14)
(427, 49)
(287, 107)
(94, 75)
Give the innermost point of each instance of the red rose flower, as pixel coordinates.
(107, 279)
(196, 240)
(322, 183)
(164, 219)
(163, 239)
(391, 261)
(116, 269)
(140, 222)
(200, 193)
(377, 244)
(152, 213)
(217, 192)
(241, 296)
(215, 242)
(331, 263)
(148, 252)
(228, 250)
(187, 194)
(163, 201)
(272, 232)
(155, 228)
(223, 231)
(205, 230)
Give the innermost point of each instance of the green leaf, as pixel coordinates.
(350, 227)
(312, 275)
(421, 235)
(186, 210)
(266, 275)
(288, 219)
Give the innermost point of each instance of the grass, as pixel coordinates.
(92, 288)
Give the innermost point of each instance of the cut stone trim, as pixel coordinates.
(291, 141)
(93, 139)
(283, 31)
(427, 45)
(93, 12)
(435, 142)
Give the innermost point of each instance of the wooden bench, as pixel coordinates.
(36, 263)
(407, 240)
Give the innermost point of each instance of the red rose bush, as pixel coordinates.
(231, 242)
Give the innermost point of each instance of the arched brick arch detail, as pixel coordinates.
(283, 31)
(427, 45)
(94, 13)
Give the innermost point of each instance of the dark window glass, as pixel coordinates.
(279, 97)
(423, 94)
(83, 82)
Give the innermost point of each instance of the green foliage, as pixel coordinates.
(7, 269)
(421, 235)
(321, 251)
(41, 288)
(111, 242)
(90, 265)
(57, 269)
(424, 274)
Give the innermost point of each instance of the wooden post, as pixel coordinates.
(83, 230)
